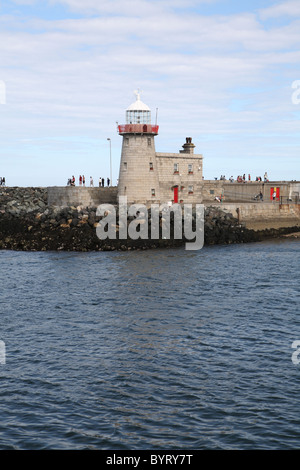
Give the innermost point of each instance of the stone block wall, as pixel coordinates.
(188, 177)
(246, 192)
(260, 215)
(64, 196)
(138, 178)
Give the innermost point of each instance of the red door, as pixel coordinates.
(273, 191)
(175, 194)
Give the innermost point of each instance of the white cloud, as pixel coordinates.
(138, 8)
(289, 8)
(25, 2)
(74, 78)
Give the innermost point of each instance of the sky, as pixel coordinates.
(224, 72)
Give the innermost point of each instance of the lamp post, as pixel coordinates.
(110, 160)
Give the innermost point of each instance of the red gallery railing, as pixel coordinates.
(138, 129)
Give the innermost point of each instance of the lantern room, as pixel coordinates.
(138, 112)
(138, 119)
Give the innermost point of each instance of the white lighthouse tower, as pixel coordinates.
(138, 177)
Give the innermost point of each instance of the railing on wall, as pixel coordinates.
(138, 129)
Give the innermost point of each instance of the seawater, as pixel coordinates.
(158, 349)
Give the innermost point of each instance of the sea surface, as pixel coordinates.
(159, 349)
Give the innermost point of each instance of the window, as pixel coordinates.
(190, 168)
(125, 166)
(149, 139)
(191, 189)
(176, 168)
(153, 192)
(212, 191)
(150, 166)
(126, 141)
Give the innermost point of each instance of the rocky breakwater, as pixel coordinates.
(27, 223)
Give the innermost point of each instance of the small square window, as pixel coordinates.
(190, 168)
(150, 166)
(153, 192)
(191, 189)
(176, 168)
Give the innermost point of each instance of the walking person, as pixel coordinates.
(108, 181)
(80, 180)
(102, 182)
(91, 181)
(83, 180)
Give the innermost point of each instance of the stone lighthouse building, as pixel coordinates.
(148, 177)
(138, 177)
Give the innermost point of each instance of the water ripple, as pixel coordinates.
(151, 350)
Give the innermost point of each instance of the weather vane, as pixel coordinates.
(138, 94)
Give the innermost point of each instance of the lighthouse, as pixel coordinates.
(138, 176)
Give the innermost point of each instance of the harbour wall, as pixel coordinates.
(29, 222)
(67, 196)
(264, 215)
(287, 191)
(254, 215)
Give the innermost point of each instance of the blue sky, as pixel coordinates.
(219, 71)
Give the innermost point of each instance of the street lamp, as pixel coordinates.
(110, 160)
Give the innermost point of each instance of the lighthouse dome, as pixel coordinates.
(138, 112)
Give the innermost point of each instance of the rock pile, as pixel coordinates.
(18, 201)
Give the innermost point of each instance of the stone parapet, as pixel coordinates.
(261, 216)
(249, 191)
(63, 196)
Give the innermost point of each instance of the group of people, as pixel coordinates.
(2, 181)
(101, 182)
(71, 181)
(243, 178)
(259, 196)
(266, 179)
